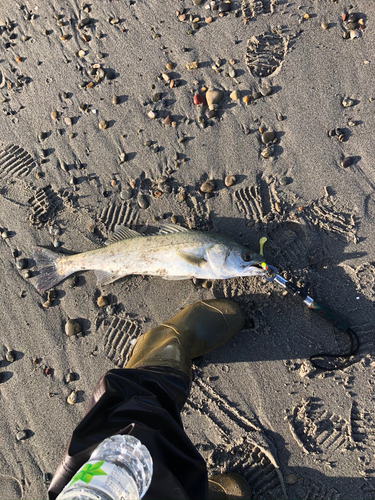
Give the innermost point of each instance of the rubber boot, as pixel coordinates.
(196, 330)
(228, 487)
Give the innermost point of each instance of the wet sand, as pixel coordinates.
(70, 157)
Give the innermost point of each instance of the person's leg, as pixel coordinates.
(145, 400)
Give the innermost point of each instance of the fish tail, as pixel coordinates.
(49, 274)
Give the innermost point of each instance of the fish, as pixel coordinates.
(174, 253)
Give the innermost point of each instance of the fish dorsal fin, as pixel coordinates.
(217, 255)
(104, 277)
(192, 259)
(122, 233)
(166, 228)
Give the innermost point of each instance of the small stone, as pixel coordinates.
(198, 99)
(27, 274)
(182, 17)
(72, 398)
(156, 97)
(103, 125)
(147, 143)
(268, 136)
(54, 115)
(207, 285)
(291, 479)
(81, 53)
(42, 136)
(197, 2)
(167, 120)
(115, 100)
(347, 162)
(70, 377)
(73, 282)
(256, 94)
(142, 201)
(174, 219)
(21, 264)
(235, 95)
(230, 180)
(232, 72)
(284, 181)
(192, 65)
(181, 195)
(64, 38)
(21, 435)
(266, 90)
(207, 187)
(213, 97)
(102, 301)
(72, 327)
(306, 16)
(68, 121)
(209, 20)
(324, 25)
(352, 123)
(225, 6)
(280, 117)
(246, 99)
(10, 356)
(169, 66)
(126, 194)
(5, 235)
(347, 103)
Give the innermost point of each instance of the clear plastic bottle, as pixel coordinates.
(120, 468)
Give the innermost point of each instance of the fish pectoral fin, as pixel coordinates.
(217, 255)
(192, 259)
(122, 233)
(175, 278)
(105, 278)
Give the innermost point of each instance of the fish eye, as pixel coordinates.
(246, 257)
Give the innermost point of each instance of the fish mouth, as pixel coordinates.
(255, 269)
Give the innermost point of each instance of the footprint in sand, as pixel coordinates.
(254, 8)
(15, 162)
(118, 340)
(265, 53)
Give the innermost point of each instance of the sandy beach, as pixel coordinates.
(100, 128)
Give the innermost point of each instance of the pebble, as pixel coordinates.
(156, 97)
(347, 162)
(10, 356)
(73, 281)
(114, 100)
(42, 136)
(126, 194)
(21, 264)
(246, 99)
(72, 398)
(280, 117)
(102, 301)
(142, 201)
(197, 2)
(103, 125)
(198, 99)
(151, 114)
(284, 181)
(230, 180)
(27, 274)
(71, 377)
(235, 95)
(207, 187)
(181, 195)
(213, 97)
(268, 136)
(21, 435)
(81, 53)
(5, 235)
(167, 120)
(174, 219)
(72, 327)
(347, 103)
(225, 6)
(68, 121)
(209, 19)
(54, 115)
(266, 90)
(291, 479)
(324, 25)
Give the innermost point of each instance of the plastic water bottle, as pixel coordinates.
(120, 468)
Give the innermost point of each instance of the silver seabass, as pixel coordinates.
(175, 253)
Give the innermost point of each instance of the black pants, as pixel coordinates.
(145, 403)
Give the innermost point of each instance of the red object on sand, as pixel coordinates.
(198, 99)
(344, 16)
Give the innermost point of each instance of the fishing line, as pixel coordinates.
(323, 360)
